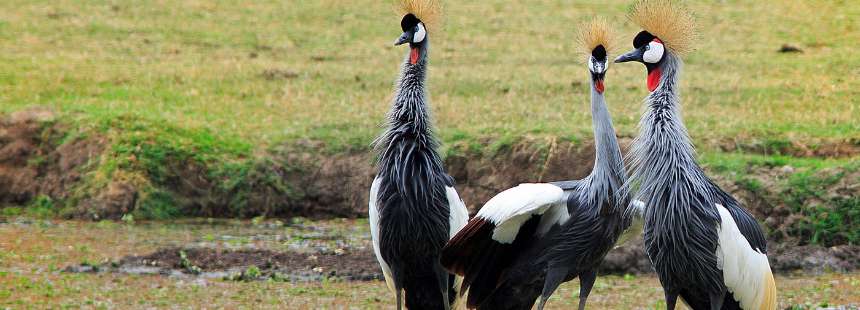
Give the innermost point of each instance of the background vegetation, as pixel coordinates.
(226, 83)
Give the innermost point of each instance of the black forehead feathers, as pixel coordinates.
(642, 39)
(409, 22)
(599, 52)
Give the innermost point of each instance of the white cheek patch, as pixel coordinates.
(420, 34)
(654, 52)
(596, 67)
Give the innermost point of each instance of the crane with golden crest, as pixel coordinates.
(529, 239)
(704, 246)
(414, 208)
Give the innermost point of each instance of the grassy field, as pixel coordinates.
(35, 252)
(227, 83)
(235, 78)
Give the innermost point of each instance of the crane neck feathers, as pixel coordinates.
(662, 157)
(608, 174)
(409, 112)
(408, 157)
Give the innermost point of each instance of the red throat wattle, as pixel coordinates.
(413, 56)
(653, 79)
(599, 86)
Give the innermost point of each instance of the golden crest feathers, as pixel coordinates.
(668, 21)
(428, 11)
(596, 32)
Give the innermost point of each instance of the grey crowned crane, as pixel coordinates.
(414, 208)
(527, 240)
(704, 246)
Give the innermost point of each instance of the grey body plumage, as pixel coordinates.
(413, 207)
(512, 275)
(681, 216)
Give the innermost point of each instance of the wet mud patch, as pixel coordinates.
(245, 265)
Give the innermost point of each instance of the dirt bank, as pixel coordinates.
(38, 157)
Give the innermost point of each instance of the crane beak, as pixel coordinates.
(634, 55)
(404, 38)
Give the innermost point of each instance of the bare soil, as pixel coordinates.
(347, 265)
(825, 149)
(360, 264)
(31, 161)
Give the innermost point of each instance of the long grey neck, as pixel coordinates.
(409, 110)
(409, 118)
(608, 174)
(662, 157)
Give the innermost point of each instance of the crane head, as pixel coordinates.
(414, 33)
(667, 27)
(596, 39)
(649, 50)
(597, 65)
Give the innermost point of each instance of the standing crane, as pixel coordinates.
(703, 245)
(529, 239)
(414, 208)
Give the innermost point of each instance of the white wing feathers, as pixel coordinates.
(374, 233)
(511, 208)
(746, 271)
(458, 215)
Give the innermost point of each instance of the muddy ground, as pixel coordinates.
(300, 264)
(361, 265)
(310, 251)
(245, 265)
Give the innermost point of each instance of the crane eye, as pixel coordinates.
(653, 52)
(420, 33)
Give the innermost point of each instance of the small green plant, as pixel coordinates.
(829, 220)
(749, 184)
(11, 211)
(253, 272)
(41, 207)
(128, 219)
(186, 263)
(250, 274)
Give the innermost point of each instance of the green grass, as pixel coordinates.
(223, 84)
(194, 69)
(827, 219)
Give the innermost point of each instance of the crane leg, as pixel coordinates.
(554, 277)
(442, 277)
(671, 299)
(586, 281)
(399, 299)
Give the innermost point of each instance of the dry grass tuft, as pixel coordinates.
(428, 11)
(668, 21)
